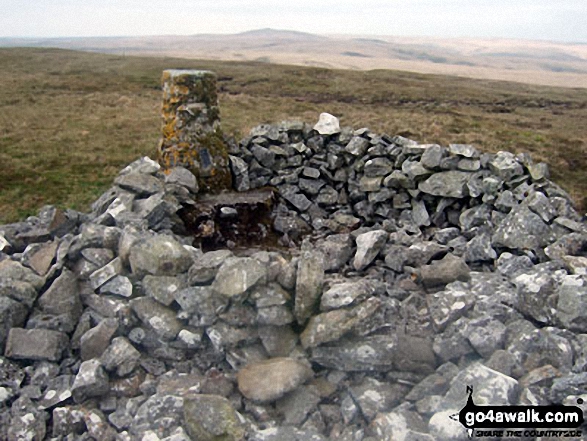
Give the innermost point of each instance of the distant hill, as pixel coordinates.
(534, 62)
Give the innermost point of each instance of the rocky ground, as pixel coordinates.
(406, 273)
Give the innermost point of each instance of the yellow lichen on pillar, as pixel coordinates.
(191, 128)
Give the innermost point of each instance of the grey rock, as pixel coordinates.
(160, 256)
(311, 172)
(489, 387)
(441, 272)
(414, 171)
(446, 184)
(95, 341)
(479, 249)
(347, 293)
(36, 344)
(469, 165)
(475, 217)
(12, 315)
(311, 186)
(11, 270)
(368, 184)
(160, 413)
(90, 381)
(58, 390)
(464, 150)
(571, 307)
(206, 266)
(271, 294)
(119, 286)
(210, 417)
(569, 385)
(298, 200)
(327, 124)
(522, 229)
(121, 356)
(368, 247)
(357, 146)
(237, 275)
(536, 293)
(162, 288)
(201, 303)
(449, 305)
(41, 259)
(570, 244)
(331, 326)
(506, 201)
(533, 348)
(156, 317)
(420, 214)
(374, 396)
(25, 422)
(506, 166)
(539, 204)
(141, 184)
(269, 380)
(327, 196)
(182, 176)
(309, 280)
(240, 171)
(144, 165)
(275, 315)
(441, 426)
(401, 423)
(278, 341)
(22, 292)
(486, 335)
(432, 156)
(378, 167)
(511, 266)
(337, 250)
(538, 171)
(286, 433)
(223, 335)
(107, 272)
(296, 405)
(397, 180)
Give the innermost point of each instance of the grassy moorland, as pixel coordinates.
(70, 120)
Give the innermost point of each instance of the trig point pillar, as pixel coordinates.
(191, 128)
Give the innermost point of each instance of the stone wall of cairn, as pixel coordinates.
(407, 273)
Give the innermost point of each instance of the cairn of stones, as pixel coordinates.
(403, 273)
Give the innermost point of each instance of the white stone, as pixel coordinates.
(327, 124)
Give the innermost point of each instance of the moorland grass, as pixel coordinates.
(70, 120)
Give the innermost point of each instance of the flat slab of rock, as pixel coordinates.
(237, 275)
(378, 353)
(157, 317)
(271, 379)
(330, 326)
(449, 184)
(36, 344)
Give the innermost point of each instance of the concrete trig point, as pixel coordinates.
(191, 128)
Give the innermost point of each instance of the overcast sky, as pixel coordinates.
(557, 20)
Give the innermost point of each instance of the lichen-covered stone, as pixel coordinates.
(211, 418)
